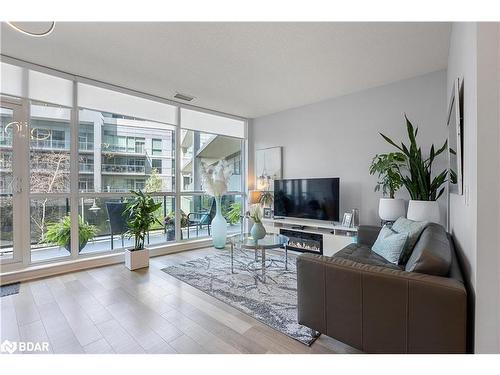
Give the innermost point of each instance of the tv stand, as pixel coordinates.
(335, 236)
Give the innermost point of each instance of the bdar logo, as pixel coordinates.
(8, 347)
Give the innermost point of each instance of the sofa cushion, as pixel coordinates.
(390, 244)
(432, 254)
(413, 229)
(362, 254)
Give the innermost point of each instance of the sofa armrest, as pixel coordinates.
(367, 234)
(381, 310)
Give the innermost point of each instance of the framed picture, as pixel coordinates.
(268, 213)
(347, 220)
(267, 168)
(455, 138)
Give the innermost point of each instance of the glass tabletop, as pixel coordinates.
(268, 242)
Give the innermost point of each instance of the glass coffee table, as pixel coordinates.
(270, 241)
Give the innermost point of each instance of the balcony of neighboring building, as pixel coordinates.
(84, 147)
(5, 141)
(123, 169)
(86, 168)
(49, 145)
(117, 149)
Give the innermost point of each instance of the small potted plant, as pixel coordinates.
(255, 212)
(266, 198)
(140, 216)
(387, 167)
(59, 233)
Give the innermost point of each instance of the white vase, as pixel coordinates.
(424, 211)
(219, 226)
(390, 209)
(135, 259)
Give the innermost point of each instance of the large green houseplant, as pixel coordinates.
(417, 176)
(387, 168)
(59, 233)
(140, 216)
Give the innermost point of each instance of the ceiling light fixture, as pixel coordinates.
(36, 35)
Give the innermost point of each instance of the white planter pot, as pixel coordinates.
(424, 211)
(391, 209)
(136, 259)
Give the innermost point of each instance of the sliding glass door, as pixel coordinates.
(13, 134)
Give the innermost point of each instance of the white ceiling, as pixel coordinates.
(246, 69)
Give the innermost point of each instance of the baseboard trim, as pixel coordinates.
(52, 269)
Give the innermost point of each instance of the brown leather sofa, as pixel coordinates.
(361, 299)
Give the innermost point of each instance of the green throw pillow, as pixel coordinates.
(413, 229)
(390, 244)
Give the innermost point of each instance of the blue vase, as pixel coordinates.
(258, 231)
(219, 227)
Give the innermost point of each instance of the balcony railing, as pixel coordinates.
(123, 168)
(86, 146)
(50, 144)
(138, 149)
(6, 165)
(109, 189)
(5, 141)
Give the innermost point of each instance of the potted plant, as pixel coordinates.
(387, 167)
(423, 189)
(140, 216)
(266, 198)
(215, 180)
(255, 212)
(59, 233)
(233, 215)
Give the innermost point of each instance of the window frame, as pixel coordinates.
(74, 192)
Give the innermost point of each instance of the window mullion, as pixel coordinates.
(74, 174)
(178, 182)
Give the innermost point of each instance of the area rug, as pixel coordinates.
(273, 303)
(7, 290)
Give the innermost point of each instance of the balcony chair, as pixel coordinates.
(117, 222)
(199, 218)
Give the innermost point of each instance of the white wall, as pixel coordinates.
(488, 186)
(462, 62)
(339, 137)
(475, 216)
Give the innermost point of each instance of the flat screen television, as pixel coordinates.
(307, 198)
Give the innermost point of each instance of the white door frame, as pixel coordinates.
(20, 179)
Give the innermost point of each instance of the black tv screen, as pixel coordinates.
(311, 198)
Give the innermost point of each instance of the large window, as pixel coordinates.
(76, 163)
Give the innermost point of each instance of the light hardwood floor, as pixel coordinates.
(113, 310)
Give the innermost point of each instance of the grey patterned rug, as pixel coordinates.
(273, 302)
(7, 290)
